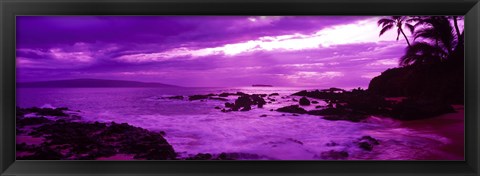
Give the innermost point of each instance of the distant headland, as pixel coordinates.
(261, 85)
(85, 83)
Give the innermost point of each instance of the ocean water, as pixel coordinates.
(197, 127)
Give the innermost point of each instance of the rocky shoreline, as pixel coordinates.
(355, 105)
(60, 134)
(53, 134)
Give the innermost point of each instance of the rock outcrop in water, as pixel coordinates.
(179, 97)
(245, 102)
(334, 155)
(304, 101)
(292, 109)
(197, 97)
(66, 139)
(367, 143)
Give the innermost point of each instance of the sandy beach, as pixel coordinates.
(449, 125)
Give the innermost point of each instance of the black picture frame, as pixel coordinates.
(11, 8)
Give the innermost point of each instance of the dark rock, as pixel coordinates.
(443, 81)
(314, 102)
(84, 140)
(301, 93)
(263, 115)
(243, 156)
(243, 101)
(201, 156)
(221, 99)
(229, 105)
(258, 100)
(260, 95)
(218, 107)
(292, 109)
(63, 108)
(47, 111)
(241, 93)
(367, 143)
(330, 105)
(224, 156)
(334, 155)
(411, 109)
(304, 101)
(333, 90)
(319, 106)
(293, 99)
(32, 121)
(179, 97)
(197, 97)
(331, 93)
(224, 95)
(370, 139)
(246, 108)
(274, 94)
(43, 153)
(227, 110)
(365, 146)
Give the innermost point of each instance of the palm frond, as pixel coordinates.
(385, 21)
(385, 29)
(421, 52)
(410, 27)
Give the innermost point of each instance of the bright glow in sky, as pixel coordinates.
(357, 32)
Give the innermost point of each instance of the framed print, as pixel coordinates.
(234, 88)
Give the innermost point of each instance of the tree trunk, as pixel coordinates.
(460, 39)
(405, 37)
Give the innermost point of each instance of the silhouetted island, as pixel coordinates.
(89, 83)
(261, 85)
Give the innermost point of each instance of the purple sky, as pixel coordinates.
(321, 51)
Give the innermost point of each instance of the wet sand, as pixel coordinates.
(449, 125)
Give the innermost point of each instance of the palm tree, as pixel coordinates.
(459, 48)
(455, 22)
(438, 42)
(395, 21)
(421, 53)
(438, 29)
